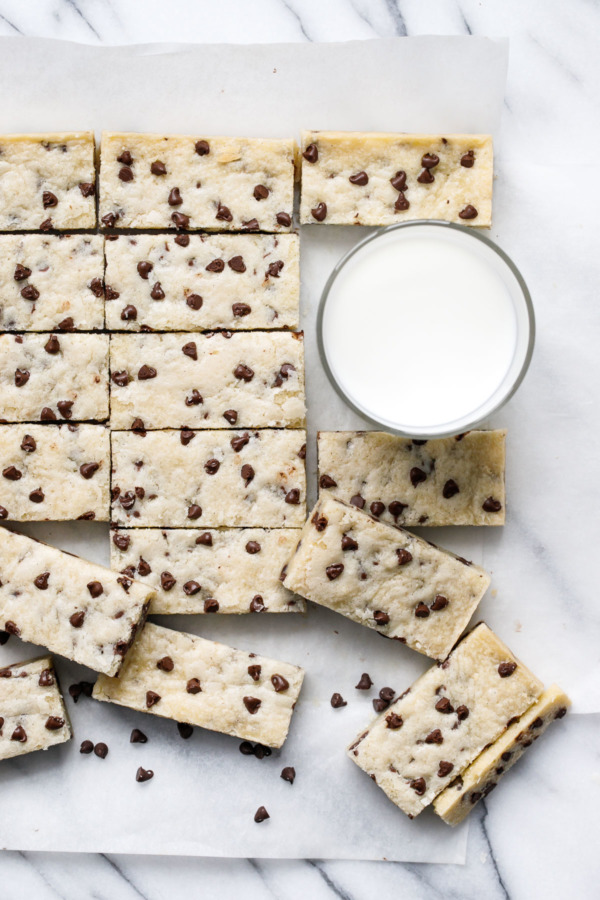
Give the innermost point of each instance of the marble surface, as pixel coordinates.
(536, 836)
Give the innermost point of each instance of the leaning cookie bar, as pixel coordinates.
(447, 481)
(349, 178)
(73, 607)
(187, 678)
(385, 578)
(430, 734)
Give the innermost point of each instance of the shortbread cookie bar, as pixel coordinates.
(427, 737)
(32, 711)
(449, 481)
(209, 479)
(69, 605)
(249, 379)
(197, 282)
(45, 377)
(350, 178)
(187, 678)
(385, 578)
(51, 282)
(47, 181)
(54, 472)
(228, 570)
(456, 802)
(195, 182)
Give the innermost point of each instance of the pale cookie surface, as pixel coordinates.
(456, 802)
(189, 679)
(198, 282)
(47, 181)
(230, 570)
(179, 181)
(418, 745)
(51, 282)
(209, 478)
(69, 605)
(45, 377)
(380, 179)
(385, 578)
(448, 481)
(54, 472)
(32, 711)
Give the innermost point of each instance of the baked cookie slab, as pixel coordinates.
(198, 282)
(196, 182)
(385, 578)
(427, 737)
(199, 682)
(349, 178)
(54, 472)
(47, 181)
(71, 606)
(226, 570)
(448, 481)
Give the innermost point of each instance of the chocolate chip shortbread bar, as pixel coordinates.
(186, 182)
(199, 682)
(32, 711)
(227, 570)
(427, 737)
(197, 282)
(350, 178)
(449, 481)
(54, 472)
(69, 605)
(47, 181)
(385, 578)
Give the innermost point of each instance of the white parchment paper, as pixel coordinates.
(204, 793)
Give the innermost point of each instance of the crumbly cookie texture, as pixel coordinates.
(385, 578)
(247, 379)
(69, 605)
(45, 377)
(449, 481)
(199, 682)
(229, 570)
(349, 178)
(211, 479)
(456, 802)
(47, 181)
(32, 711)
(418, 745)
(51, 282)
(54, 472)
(195, 182)
(197, 282)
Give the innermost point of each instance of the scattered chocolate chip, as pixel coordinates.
(279, 683)
(21, 377)
(52, 345)
(109, 220)
(421, 611)
(444, 768)
(491, 505)
(191, 588)
(144, 774)
(217, 265)
(126, 158)
(96, 287)
(152, 699)
(175, 198)
(185, 730)
(319, 212)
(190, 349)
(158, 168)
(120, 378)
(254, 672)
(450, 489)
(440, 602)
(334, 571)
(183, 240)
(243, 373)
(293, 497)
(381, 618)
(129, 313)
(257, 605)
(380, 705)
(77, 619)
(469, 212)
(194, 399)
(560, 713)
(54, 723)
(260, 192)
(261, 814)
(101, 750)
(429, 160)
(462, 712)
(404, 556)
(425, 177)
(138, 737)
(194, 511)
(179, 220)
(435, 737)
(193, 686)
(49, 199)
(419, 786)
(88, 470)
(505, 669)
(186, 436)
(398, 182)
(236, 263)
(326, 481)
(288, 774)
(212, 466)
(11, 628)
(46, 678)
(337, 701)
(65, 408)
(239, 441)
(348, 543)
(21, 272)
(165, 664)
(202, 148)
(241, 309)
(252, 704)
(252, 547)
(95, 588)
(361, 178)
(157, 292)
(126, 173)
(396, 508)
(444, 706)
(274, 268)
(194, 301)
(121, 541)
(86, 747)
(283, 218)
(11, 473)
(364, 683)
(394, 721)
(358, 501)
(417, 476)
(467, 159)
(211, 605)
(167, 581)
(223, 214)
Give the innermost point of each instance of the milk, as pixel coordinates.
(425, 329)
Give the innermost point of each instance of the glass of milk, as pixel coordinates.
(426, 328)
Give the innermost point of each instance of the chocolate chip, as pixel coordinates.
(86, 747)
(101, 750)
(165, 664)
(401, 204)
(144, 268)
(261, 192)
(211, 605)
(282, 218)
(182, 240)
(3, 514)
(419, 786)
(10, 627)
(167, 581)
(88, 516)
(319, 212)
(28, 444)
(425, 177)
(257, 605)
(288, 774)
(179, 220)
(348, 543)
(223, 214)
(394, 721)
(157, 292)
(398, 182)
(77, 619)
(381, 618)
(88, 470)
(193, 686)
(254, 672)
(202, 148)
(21, 272)
(274, 268)
(54, 723)
(46, 225)
(121, 378)
(404, 556)
(152, 699)
(46, 678)
(111, 294)
(444, 768)
(440, 602)
(212, 466)
(429, 160)
(334, 571)
(358, 501)
(560, 713)
(21, 377)
(311, 154)
(246, 748)
(121, 541)
(444, 706)
(19, 734)
(361, 178)
(462, 712)
(110, 219)
(126, 173)
(144, 774)
(491, 505)
(293, 497)
(337, 701)
(205, 539)
(364, 683)
(37, 496)
(52, 345)
(190, 349)
(467, 159)
(279, 683)
(194, 399)
(175, 198)
(49, 199)
(239, 441)
(96, 287)
(469, 212)
(326, 481)
(11, 473)
(450, 489)
(241, 309)
(434, 737)
(194, 301)
(417, 476)
(186, 436)
(129, 313)
(243, 373)
(236, 263)
(252, 547)
(126, 158)
(252, 704)
(261, 814)
(217, 265)
(158, 168)
(194, 511)
(191, 588)
(505, 669)
(65, 408)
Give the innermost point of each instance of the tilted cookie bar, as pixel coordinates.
(448, 481)
(32, 711)
(187, 678)
(456, 802)
(418, 745)
(45, 377)
(54, 472)
(229, 570)
(47, 181)
(249, 379)
(349, 178)
(185, 182)
(214, 479)
(69, 605)
(51, 282)
(385, 578)
(197, 282)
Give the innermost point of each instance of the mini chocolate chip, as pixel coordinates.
(257, 605)
(175, 198)
(444, 768)
(121, 541)
(205, 539)
(185, 730)
(21, 272)
(190, 349)
(337, 701)
(194, 301)
(419, 786)
(165, 664)
(167, 581)
(364, 683)
(3, 515)
(252, 704)
(19, 734)
(261, 814)
(462, 712)
(121, 378)
(212, 466)
(417, 476)
(467, 159)
(394, 721)
(348, 543)
(129, 313)
(21, 377)
(88, 470)
(158, 168)
(191, 588)
(361, 178)
(46, 225)
(49, 199)
(186, 436)
(37, 496)
(560, 713)
(95, 588)
(450, 489)
(126, 158)
(254, 672)
(183, 240)
(440, 602)
(89, 515)
(157, 292)
(152, 698)
(194, 399)
(179, 220)
(194, 511)
(401, 204)
(505, 669)
(293, 497)
(319, 212)
(126, 173)
(429, 160)
(217, 265)
(52, 345)
(252, 547)
(381, 618)
(426, 177)
(283, 218)
(404, 556)
(243, 373)
(101, 750)
(435, 737)
(53, 723)
(279, 683)
(11, 473)
(202, 148)
(469, 212)
(398, 182)
(77, 619)
(110, 293)
(86, 747)
(491, 505)
(211, 605)
(144, 268)
(236, 263)
(311, 154)
(239, 441)
(143, 774)
(302, 452)
(68, 324)
(246, 748)
(396, 508)
(537, 723)
(358, 501)
(377, 508)
(334, 571)
(274, 268)
(288, 774)
(96, 287)
(444, 706)
(476, 796)
(223, 214)
(380, 705)
(46, 678)
(387, 693)
(10, 627)
(261, 192)
(193, 686)
(144, 567)
(65, 408)
(138, 737)
(326, 481)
